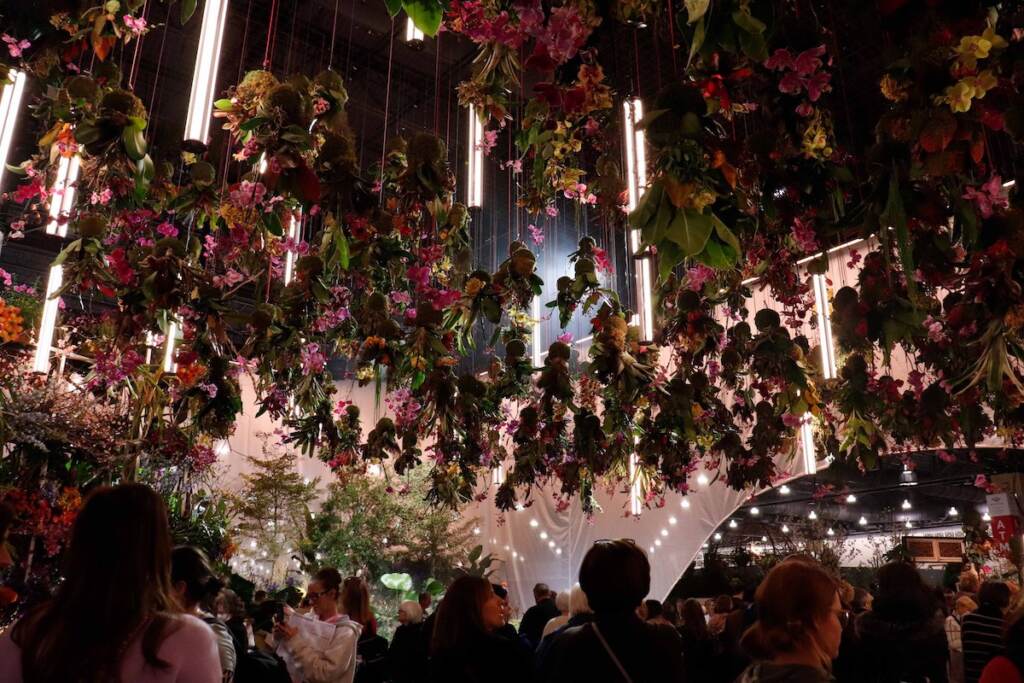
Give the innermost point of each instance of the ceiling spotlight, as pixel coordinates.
(733, 524)
(476, 531)
(784, 490)
(514, 554)
(908, 477)
(685, 504)
(863, 521)
(851, 498)
(953, 512)
(551, 544)
(908, 524)
(543, 535)
(986, 517)
(651, 549)
(830, 532)
(664, 532)
(754, 511)
(558, 551)
(812, 515)
(657, 542)
(906, 504)
(672, 520)
(702, 479)
(764, 539)
(785, 529)
(718, 536)
(534, 523)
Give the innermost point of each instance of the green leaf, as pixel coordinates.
(896, 218)
(695, 9)
(397, 582)
(725, 234)
(748, 22)
(699, 32)
(188, 8)
(223, 105)
(425, 14)
(718, 255)
(394, 6)
(70, 249)
(273, 223)
(343, 252)
(690, 230)
(253, 123)
(475, 554)
(434, 587)
(669, 256)
(134, 142)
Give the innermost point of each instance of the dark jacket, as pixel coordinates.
(891, 650)
(535, 619)
(763, 672)
(489, 659)
(699, 656)
(649, 653)
(407, 655)
(545, 644)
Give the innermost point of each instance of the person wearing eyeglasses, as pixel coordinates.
(323, 661)
(799, 626)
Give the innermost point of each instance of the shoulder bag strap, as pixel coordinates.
(611, 654)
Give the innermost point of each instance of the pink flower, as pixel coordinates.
(401, 298)
(855, 258)
(935, 332)
(816, 84)
(945, 456)
(602, 262)
(167, 229)
(804, 109)
(101, 198)
(320, 105)
(312, 359)
(210, 389)
(248, 194)
(790, 420)
(536, 234)
(443, 298)
(5, 277)
(229, 279)
(14, 46)
(565, 337)
(515, 164)
(698, 276)
(136, 26)
(780, 59)
(791, 83)
(488, 142)
(591, 127)
(803, 235)
(551, 211)
(17, 230)
(419, 276)
(808, 61)
(989, 196)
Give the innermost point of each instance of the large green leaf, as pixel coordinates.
(188, 8)
(397, 582)
(896, 217)
(695, 9)
(394, 6)
(425, 14)
(690, 230)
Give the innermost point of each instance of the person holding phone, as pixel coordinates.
(328, 659)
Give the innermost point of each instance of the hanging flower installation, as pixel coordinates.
(304, 258)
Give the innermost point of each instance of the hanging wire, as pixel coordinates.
(134, 71)
(334, 34)
(156, 82)
(268, 54)
(387, 104)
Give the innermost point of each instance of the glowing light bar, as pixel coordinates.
(294, 226)
(412, 34)
(807, 447)
(535, 343)
(498, 475)
(172, 337)
(10, 103)
(204, 78)
(821, 306)
(635, 494)
(475, 167)
(48, 320)
(636, 184)
(62, 195)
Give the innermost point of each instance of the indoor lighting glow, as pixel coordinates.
(733, 524)
(863, 521)
(543, 535)
(821, 304)
(475, 167)
(48, 320)
(172, 337)
(764, 539)
(702, 479)
(906, 504)
(718, 536)
(635, 495)
(62, 196)
(294, 226)
(812, 515)
(851, 498)
(807, 446)
(204, 78)
(830, 532)
(498, 475)
(558, 551)
(685, 504)
(412, 34)
(534, 523)
(664, 532)
(953, 512)
(535, 344)
(755, 511)
(672, 520)
(10, 103)
(908, 524)
(476, 531)
(551, 544)
(785, 529)
(651, 549)
(986, 517)
(657, 542)
(784, 490)
(636, 184)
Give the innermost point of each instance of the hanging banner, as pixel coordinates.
(1004, 527)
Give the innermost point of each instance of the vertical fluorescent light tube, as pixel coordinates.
(10, 103)
(807, 447)
(498, 475)
(48, 320)
(62, 195)
(635, 497)
(636, 184)
(475, 167)
(828, 351)
(535, 335)
(204, 78)
(172, 337)
(412, 34)
(289, 256)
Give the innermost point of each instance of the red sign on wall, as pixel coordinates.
(1004, 527)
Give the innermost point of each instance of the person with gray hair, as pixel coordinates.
(407, 654)
(562, 603)
(579, 614)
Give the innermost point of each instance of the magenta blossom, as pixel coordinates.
(698, 276)
(312, 359)
(248, 194)
(167, 229)
(565, 337)
(136, 25)
(536, 234)
(14, 46)
(988, 197)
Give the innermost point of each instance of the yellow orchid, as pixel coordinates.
(959, 96)
(971, 49)
(996, 40)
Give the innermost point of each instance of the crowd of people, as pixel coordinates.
(134, 609)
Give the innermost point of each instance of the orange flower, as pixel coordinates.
(10, 322)
(191, 373)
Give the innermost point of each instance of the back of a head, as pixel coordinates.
(902, 593)
(190, 567)
(616, 576)
(1013, 637)
(541, 592)
(790, 601)
(562, 601)
(578, 603)
(117, 575)
(723, 604)
(231, 604)
(861, 599)
(693, 618)
(355, 600)
(654, 608)
(413, 610)
(459, 621)
(993, 595)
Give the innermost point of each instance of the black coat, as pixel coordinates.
(488, 659)
(889, 650)
(649, 653)
(535, 619)
(407, 655)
